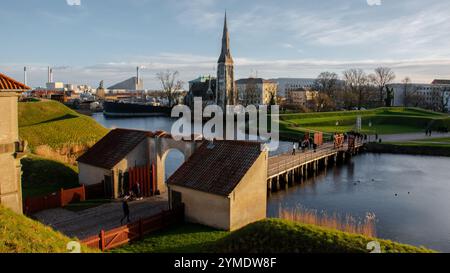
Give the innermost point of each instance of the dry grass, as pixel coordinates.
(67, 153)
(346, 223)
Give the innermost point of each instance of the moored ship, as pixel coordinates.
(134, 109)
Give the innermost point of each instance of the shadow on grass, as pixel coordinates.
(66, 116)
(183, 238)
(42, 176)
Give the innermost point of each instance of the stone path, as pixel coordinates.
(90, 221)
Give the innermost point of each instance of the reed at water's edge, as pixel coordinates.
(346, 223)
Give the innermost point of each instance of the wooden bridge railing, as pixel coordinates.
(281, 163)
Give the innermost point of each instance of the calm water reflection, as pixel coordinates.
(419, 214)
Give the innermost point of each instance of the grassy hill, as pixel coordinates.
(55, 131)
(281, 236)
(384, 121)
(266, 236)
(56, 136)
(19, 234)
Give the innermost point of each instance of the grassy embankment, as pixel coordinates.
(392, 120)
(267, 236)
(54, 131)
(56, 136)
(19, 234)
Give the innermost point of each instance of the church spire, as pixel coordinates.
(225, 55)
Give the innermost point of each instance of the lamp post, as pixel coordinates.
(370, 126)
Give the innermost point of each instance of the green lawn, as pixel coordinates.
(384, 121)
(55, 125)
(43, 176)
(186, 238)
(19, 234)
(267, 236)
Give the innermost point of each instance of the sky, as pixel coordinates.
(87, 41)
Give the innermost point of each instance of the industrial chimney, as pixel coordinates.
(137, 76)
(48, 74)
(51, 74)
(25, 80)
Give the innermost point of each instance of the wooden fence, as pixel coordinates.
(113, 238)
(54, 200)
(145, 177)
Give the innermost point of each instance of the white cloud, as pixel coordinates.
(287, 45)
(374, 2)
(73, 2)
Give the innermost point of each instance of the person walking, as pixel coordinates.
(293, 148)
(138, 191)
(126, 210)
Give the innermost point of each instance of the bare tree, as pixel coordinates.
(407, 90)
(169, 83)
(356, 80)
(441, 101)
(381, 78)
(323, 103)
(327, 82)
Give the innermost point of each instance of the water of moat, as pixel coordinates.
(410, 195)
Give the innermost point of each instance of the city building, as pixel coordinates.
(256, 91)
(434, 96)
(288, 84)
(226, 91)
(11, 147)
(105, 164)
(203, 87)
(300, 97)
(131, 84)
(222, 185)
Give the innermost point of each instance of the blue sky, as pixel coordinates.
(91, 40)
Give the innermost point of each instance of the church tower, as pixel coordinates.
(226, 92)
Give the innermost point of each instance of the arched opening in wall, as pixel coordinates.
(173, 159)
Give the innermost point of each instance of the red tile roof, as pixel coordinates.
(217, 167)
(7, 83)
(112, 148)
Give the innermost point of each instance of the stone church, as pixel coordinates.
(220, 90)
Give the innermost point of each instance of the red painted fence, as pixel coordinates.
(145, 176)
(113, 238)
(54, 200)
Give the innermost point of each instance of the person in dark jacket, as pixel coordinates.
(126, 211)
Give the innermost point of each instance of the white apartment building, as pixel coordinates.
(289, 84)
(255, 91)
(430, 96)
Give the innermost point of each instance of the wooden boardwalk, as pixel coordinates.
(287, 168)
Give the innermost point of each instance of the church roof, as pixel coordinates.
(217, 167)
(200, 89)
(225, 55)
(7, 83)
